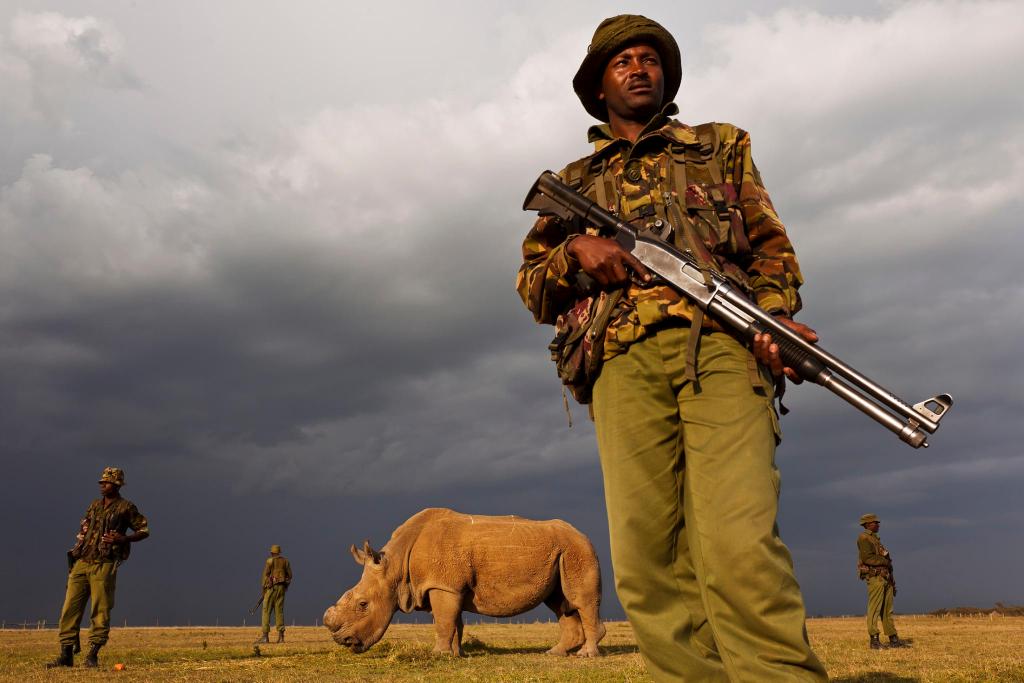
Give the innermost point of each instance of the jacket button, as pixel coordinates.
(633, 171)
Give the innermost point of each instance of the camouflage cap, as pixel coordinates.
(613, 35)
(275, 548)
(868, 518)
(113, 475)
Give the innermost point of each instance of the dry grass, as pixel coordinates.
(944, 649)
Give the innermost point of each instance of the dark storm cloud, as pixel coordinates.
(304, 325)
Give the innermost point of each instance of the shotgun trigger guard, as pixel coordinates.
(936, 407)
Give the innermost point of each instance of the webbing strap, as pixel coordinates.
(685, 238)
(755, 374)
(693, 346)
(708, 135)
(604, 188)
(574, 174)
(602, 192)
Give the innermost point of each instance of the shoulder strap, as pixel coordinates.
(707, 133)
(574, 173)
(582, 171)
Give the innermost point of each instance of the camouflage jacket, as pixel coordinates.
(277, 570)
(872, 557)
(120, 515)
(725, 208)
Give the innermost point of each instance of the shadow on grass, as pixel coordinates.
(477, 647)
(876, 677)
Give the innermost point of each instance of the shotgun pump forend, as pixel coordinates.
(730, 306)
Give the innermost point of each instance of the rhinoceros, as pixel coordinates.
(444, 562)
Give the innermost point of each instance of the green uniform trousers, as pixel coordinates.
(273, 599)
(880, 597)
(93, 581)
(692, 491)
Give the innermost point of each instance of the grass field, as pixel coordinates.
(944, 649)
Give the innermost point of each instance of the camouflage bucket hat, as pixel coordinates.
(867, 519)
(613, 35)
(275, 548)
(113, 475)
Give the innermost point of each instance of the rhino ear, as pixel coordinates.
(358, 555)
(372, 555)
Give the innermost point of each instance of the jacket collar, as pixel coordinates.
(661, 124)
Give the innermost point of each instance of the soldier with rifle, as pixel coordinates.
(277, 576)
(874, 567)
(102, 546)
(686, 426)
(672, 285)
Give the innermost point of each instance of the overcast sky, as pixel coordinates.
(264, 260)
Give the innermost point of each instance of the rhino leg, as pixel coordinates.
(447, 610)
(593, 629)
(569, 626)
(581, 588)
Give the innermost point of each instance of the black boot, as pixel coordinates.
(92, 660)
(876, 644)
(894, 641)
(65, 658)
(280, 636)
(265, 638)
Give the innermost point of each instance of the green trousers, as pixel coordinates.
(273, 599)
(692, 491)
(95, 582)
(880, 598)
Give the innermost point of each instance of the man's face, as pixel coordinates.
(633, 84)
(107, 489)
(873, 526)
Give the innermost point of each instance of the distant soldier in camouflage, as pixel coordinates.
(277, 576)
(874, 565)
(101, 547)
(686, 426)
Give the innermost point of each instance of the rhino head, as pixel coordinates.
(362, 615)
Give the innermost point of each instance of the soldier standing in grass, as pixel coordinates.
(875, 567)
(686, 428)
(101, 547)
(277, 576)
